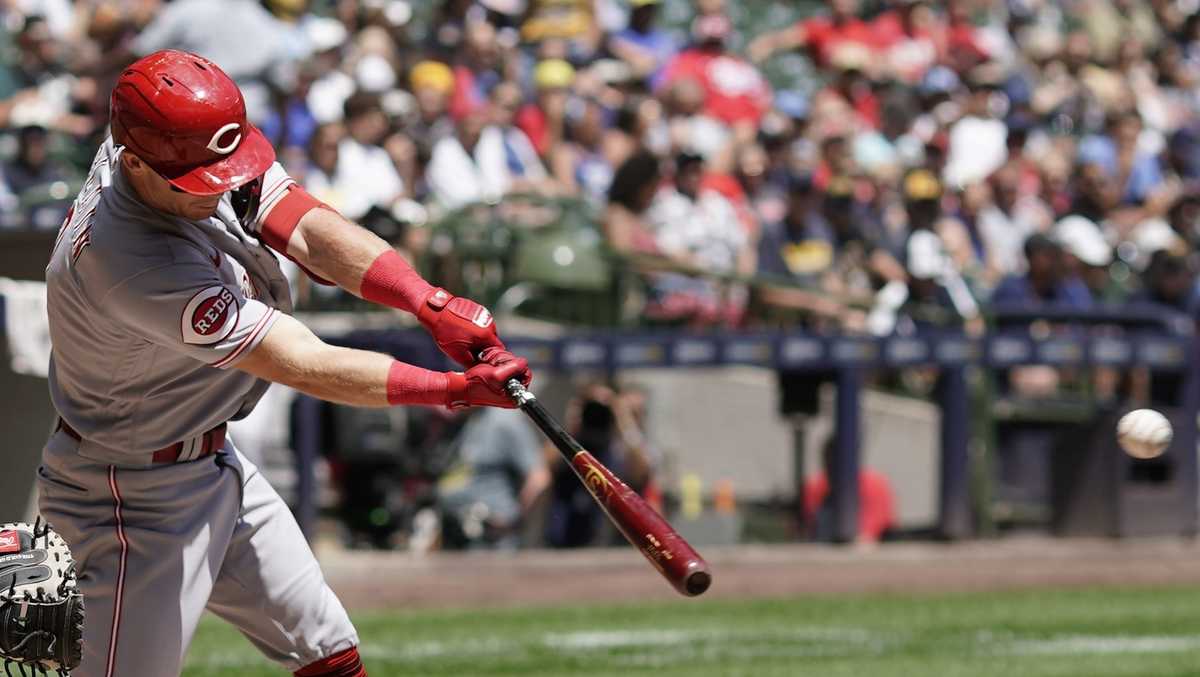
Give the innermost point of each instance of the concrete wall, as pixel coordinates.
(721, 424)
(26, 415)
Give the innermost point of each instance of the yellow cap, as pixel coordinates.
(288, 8)
(643, 3)
(432, 75)
(921, 184)
(553, 73)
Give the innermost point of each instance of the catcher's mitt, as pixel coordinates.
(41, 608)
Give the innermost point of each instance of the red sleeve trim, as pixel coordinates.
(281, 221)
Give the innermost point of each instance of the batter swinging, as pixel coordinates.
(169, 316)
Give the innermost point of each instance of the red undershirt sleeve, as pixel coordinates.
(281, 207)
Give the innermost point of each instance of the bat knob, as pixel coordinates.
(518, 392)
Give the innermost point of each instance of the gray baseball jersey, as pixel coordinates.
(144, 305)
(148, 313)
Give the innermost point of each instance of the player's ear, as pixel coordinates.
(137, 169)
(132, 162)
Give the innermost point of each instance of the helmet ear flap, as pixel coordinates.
(245, 200)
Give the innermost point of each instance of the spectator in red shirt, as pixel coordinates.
(544, 120)
(876, 507)
(823, 35)
(478, 69)
(853, 84)
(964, 49)
(912, 39)
(735, 92)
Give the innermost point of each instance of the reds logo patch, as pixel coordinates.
(10, 541)
(209, 317)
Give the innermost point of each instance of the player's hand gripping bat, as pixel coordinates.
(644, 528)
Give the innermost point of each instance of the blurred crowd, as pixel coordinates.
(933, 156)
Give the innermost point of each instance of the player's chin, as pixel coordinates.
(202, 209)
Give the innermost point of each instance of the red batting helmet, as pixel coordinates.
(184, 117)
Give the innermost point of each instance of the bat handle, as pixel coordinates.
(516, 390)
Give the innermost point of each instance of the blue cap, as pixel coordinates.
(939, 80)
(792, 103)
(1019, 89)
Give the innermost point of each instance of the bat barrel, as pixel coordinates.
(641, 525)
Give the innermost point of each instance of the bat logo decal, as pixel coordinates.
(596, 482)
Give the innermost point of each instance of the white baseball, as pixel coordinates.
(1144, 433)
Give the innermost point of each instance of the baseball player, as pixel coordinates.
(169, 316)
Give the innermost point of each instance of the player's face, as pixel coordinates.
(184, 204)
(158, 193)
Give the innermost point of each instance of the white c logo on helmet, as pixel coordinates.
(227, 148)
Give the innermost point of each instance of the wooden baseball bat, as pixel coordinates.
(641, 525)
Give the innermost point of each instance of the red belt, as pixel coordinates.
(211, 442)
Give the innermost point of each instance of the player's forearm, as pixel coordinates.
(334, 248)
(291, 355)
(357, 260)
(364, 379)
(363, 264)
(343, 376)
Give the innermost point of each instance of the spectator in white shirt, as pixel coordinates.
(978, 140)
(698, 229)
(321, 177)
(468, 166)
(517, 154)
(1005, 222)
(698, 225)
(362, 163)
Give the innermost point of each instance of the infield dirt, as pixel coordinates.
(380, 580)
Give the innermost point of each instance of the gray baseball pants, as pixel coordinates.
(156, 545)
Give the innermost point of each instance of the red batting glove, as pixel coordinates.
(462, 328)
(497, 357)
(484, 385)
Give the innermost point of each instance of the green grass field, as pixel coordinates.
(1092, 633)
